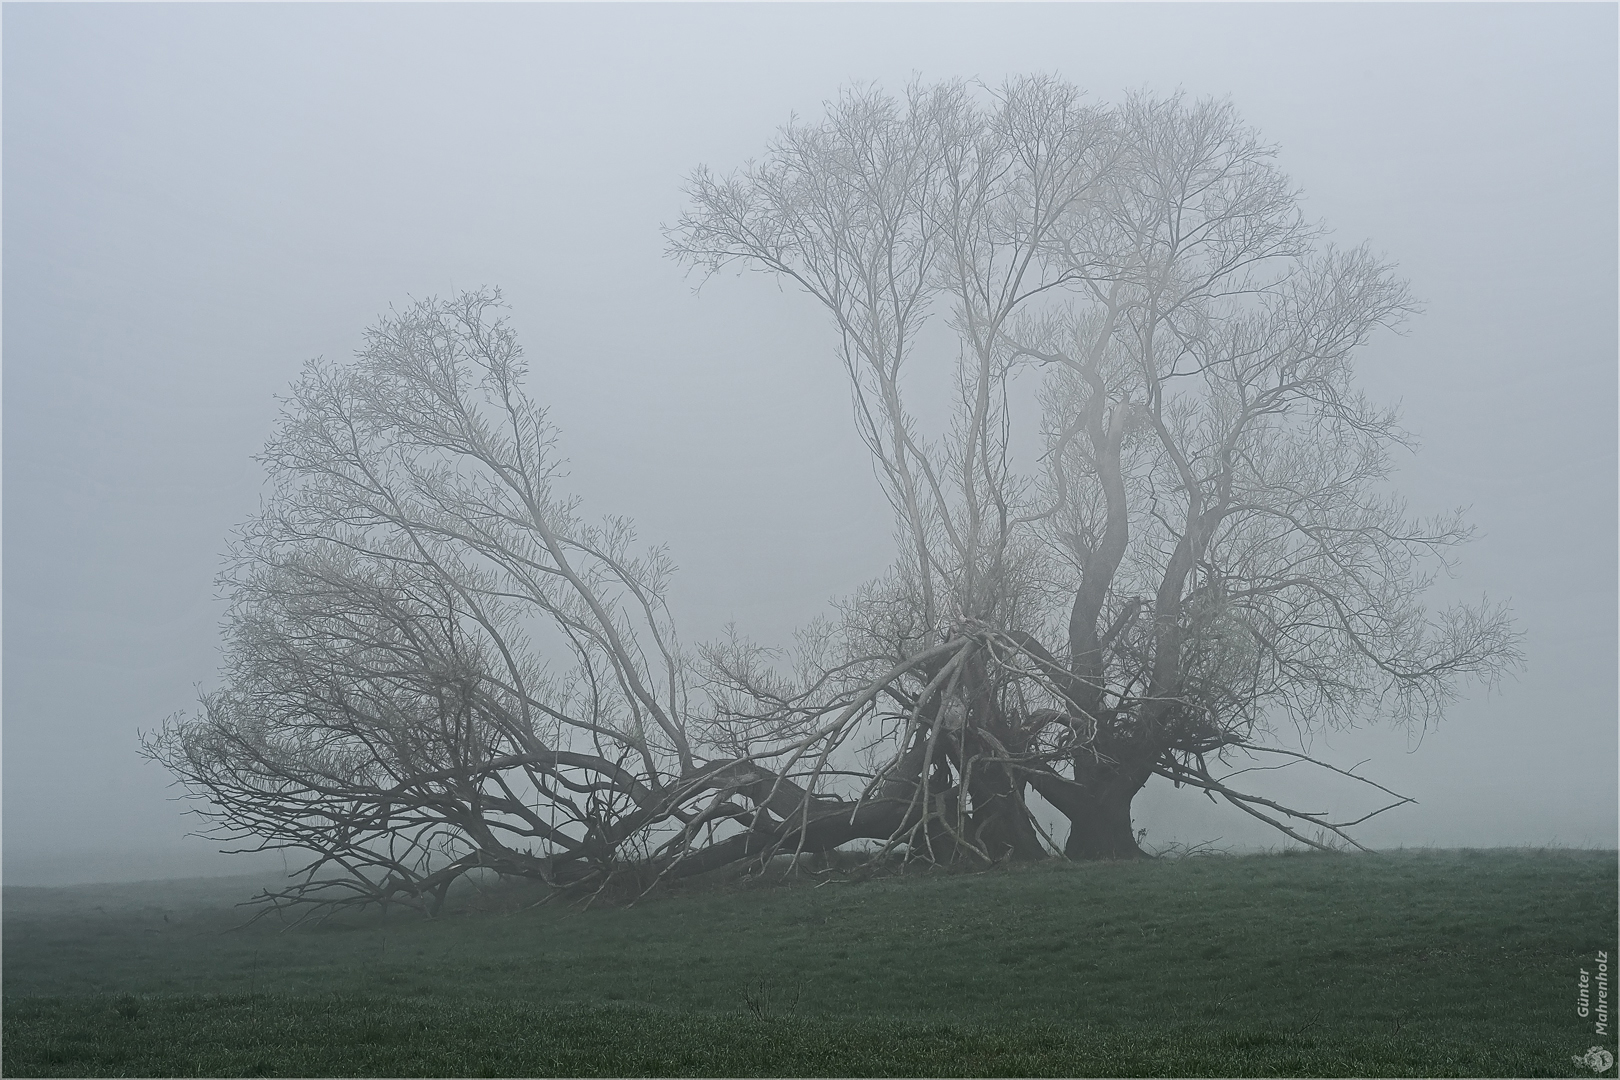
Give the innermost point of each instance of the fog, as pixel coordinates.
(198, 199)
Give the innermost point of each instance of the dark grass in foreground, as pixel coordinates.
(206, 1035)
(1416, 963)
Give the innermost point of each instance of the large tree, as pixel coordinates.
(434, 666)
(1207, 546)
(1198, 551)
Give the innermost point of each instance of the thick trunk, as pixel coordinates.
(1000, 824)
(827, 828)
(827, 823)
(1098, 808)
(1104, 830)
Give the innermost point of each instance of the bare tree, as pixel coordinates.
(1208, 546)
(388, 706)
(434, 666)
(384, 707)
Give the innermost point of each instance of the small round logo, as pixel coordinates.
(1597, 1059)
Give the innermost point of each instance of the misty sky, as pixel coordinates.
(199, 198)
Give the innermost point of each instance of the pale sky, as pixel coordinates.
(199, 198)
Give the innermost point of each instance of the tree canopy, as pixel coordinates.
(433, 665)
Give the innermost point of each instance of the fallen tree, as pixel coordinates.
(1206, 554)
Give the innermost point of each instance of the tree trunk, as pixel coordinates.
(1000, 822)
(1098, 809)
(1104, 830)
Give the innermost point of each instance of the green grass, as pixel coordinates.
(1413, 963)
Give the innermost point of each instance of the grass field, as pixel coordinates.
(1413, 963)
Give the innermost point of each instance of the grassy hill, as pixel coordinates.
(1413, 963)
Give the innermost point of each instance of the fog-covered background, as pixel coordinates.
(197, 199)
